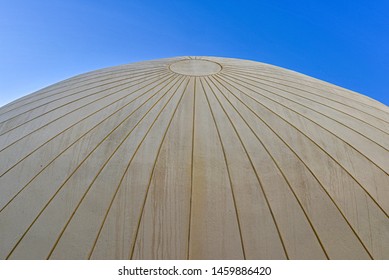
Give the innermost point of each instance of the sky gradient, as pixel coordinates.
(342, 42)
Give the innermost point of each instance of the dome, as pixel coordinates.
(194, 158)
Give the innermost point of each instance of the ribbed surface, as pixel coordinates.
(139, 162)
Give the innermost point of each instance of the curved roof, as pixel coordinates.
(194, 157)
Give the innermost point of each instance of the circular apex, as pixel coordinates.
(193, 67)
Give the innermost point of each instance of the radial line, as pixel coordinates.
(270, 155)
(295, 153)
(54, 93)
(91, 184)
(122, 178)
(168, 77)
(296, 82)
(231, 185)
(230, 78)
(79, 165)
(75, 100)
(309, 137)
(52, 121)
(153, 170)
(317, 102)
(339, 91)
(191, 167)
(72, 80)
(318, 112)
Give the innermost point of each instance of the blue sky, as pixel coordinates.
(342, 42)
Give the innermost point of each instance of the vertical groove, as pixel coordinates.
(270, 155)
(228, 172)
(258, 179)
(56, 157)
(152, 172)
(79, 165)
(313, 174)
(122, 178)
(320, 148)
(191, 169)
(63, 230)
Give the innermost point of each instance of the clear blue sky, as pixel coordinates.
(343, 42)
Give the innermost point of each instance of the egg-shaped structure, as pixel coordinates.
(194, 158)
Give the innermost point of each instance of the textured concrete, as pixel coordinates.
(194, 157)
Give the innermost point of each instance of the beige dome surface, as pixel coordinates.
(194, 158)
